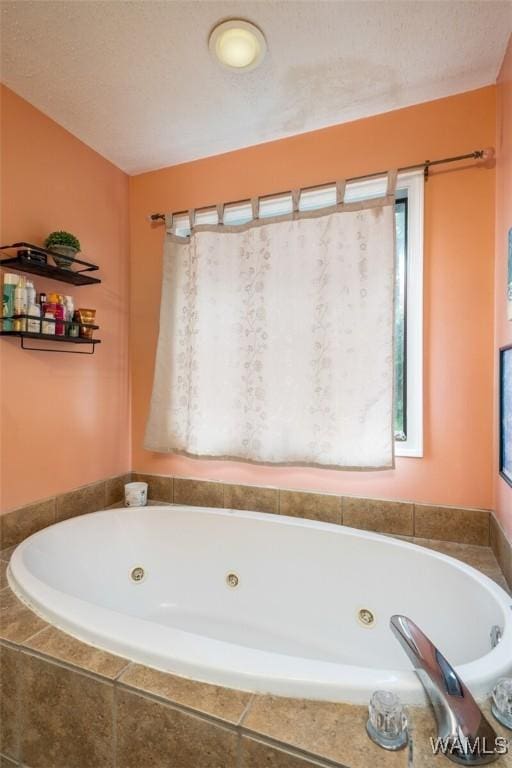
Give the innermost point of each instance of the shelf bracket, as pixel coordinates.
(45, 349)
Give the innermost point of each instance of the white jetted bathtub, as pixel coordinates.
(261, 602)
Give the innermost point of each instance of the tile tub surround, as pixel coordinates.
(67, 704)
(20, 523)
(502, 548)
(407, 519)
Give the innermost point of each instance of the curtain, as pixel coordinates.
(276, 340)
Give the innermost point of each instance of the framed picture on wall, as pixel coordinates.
(506, 413)
(509, 276)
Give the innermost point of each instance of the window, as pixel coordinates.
(408, 286)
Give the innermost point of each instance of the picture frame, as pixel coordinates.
(509, 275)
(505, 413)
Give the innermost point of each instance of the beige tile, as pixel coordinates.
(160, 488)
(502, 548)
(9, 690)
(330, 731)
(67, 717)
(3, 573)
(502, 732)
(52, 642)
(252, 498)
(17, 525)
(313, 506)
(89, 498)
(257, 754)
(6, 762)
(423, 726)
(198, 493)
(223, 703)
(5, 554)
(17, 622)
(395, 517)
(465, 526)
(481, 558)
(114, 488)
(154, 735)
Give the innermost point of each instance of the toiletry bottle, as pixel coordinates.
(56, 299)
(42, 302)
(74, 328)
(10, 283)
(69, 312)
(60, 328)
(48, 324)
(31, 293)
(34, 323)
(20, 303)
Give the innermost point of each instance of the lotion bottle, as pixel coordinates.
(20, 303)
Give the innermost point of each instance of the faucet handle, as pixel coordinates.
(502, 702)
(387, 721)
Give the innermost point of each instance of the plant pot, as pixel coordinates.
(66, 254)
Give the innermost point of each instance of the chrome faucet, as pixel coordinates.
(464, 735)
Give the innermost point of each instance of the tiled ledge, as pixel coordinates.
(65, 703)
(451, 524)
(20, 523)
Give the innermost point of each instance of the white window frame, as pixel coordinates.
(410, 185)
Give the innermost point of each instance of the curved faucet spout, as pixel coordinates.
(464, 735)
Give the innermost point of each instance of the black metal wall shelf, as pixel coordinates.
(22, 335)
(33, 259)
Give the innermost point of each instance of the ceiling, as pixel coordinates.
(135, 80)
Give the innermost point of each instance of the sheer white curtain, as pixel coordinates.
(276, 340)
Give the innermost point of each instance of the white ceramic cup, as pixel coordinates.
(136, 494)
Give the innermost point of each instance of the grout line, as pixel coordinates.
(122, 670)
(246, 710)
(39, 631)
(239, 751)
(176, 706)
(290, 749)
(66, 665)
(115, 706)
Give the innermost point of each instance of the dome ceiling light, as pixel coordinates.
(238, 45)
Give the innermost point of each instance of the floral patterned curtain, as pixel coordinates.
(276, 340)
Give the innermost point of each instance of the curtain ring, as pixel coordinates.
(255, 205)
(168, 221)
(191, 217)
(340, 191)
(391, 182)
(220, 213)
(295, 200)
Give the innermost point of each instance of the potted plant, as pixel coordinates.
(65, 244)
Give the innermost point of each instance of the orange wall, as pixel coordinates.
(64, 418)
(503, 492)
(459, 247)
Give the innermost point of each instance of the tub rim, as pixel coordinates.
(405, 682)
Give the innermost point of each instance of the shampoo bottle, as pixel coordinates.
(10, 283)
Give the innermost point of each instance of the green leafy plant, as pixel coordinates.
(62, 238)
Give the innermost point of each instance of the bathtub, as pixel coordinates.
(261, 602)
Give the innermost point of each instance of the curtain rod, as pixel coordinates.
(478, 154)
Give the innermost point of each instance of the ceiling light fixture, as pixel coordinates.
(237, 44)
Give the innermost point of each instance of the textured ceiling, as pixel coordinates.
(134, 79)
